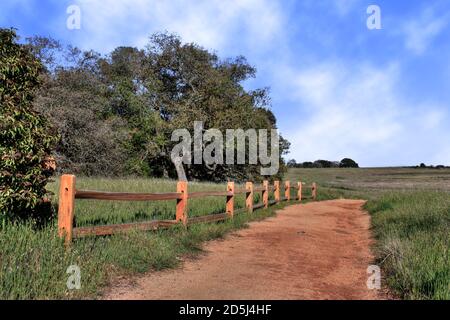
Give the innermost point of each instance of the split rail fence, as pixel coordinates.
(68, 193)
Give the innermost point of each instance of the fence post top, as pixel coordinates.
(68, 176)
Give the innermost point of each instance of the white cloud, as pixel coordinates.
(214, 24)
(420, 32)
(356, 111)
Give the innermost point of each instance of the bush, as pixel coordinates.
(25, 138)
(348, 163)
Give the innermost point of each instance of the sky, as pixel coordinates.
(339, 89)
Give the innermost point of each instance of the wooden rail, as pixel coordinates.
(125, 196)
(68, 193)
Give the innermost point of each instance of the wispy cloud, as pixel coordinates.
(213, 24)
(420, 32)
(356, 111)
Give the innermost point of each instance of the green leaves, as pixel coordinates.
(25, 138)
(116, 113)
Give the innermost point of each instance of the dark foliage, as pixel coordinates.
(344, 163)
(116, 113)
(26, 140)
(348, 163)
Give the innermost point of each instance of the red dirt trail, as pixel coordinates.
(318, 250)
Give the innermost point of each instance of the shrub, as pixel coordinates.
(25, 138)
(348, 163)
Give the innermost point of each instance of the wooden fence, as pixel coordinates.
(68, 193)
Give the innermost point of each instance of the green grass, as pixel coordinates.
(413, 232)
(33, 263)
(410, 211)
(95, 212)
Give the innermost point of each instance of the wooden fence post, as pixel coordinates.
(66, 207)
(287, 190)
(230, 199)
(265, 194)
(276, 184)
(182, 204)
(314, 191)
(249, 196)
(299, 191)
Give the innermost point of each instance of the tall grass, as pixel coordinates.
(413, 233)
(33, 262)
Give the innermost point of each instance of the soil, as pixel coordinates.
(318, 250)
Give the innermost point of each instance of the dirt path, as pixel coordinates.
(318, 250)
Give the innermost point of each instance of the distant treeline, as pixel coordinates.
(424, 166)
(115, 113)
(344, 163)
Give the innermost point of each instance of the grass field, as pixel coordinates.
(33, 263)
(410, 217)
(410, 211)
(374, 181)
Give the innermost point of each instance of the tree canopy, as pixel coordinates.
(116, 113)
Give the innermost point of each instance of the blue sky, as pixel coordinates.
(338, 89)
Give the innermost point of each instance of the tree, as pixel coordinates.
(292, 163)
(348, 163)
(26, 140)
(116, 113)
(323, 164)
(76, 102)
(186, 83)
(308, 164)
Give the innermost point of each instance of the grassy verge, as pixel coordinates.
(413, 233)
(33, 263)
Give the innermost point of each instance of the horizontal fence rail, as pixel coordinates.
(68, 193)
(125, 196)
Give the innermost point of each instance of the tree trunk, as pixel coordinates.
(178, 162)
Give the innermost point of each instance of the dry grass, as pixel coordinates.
(376, 179)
